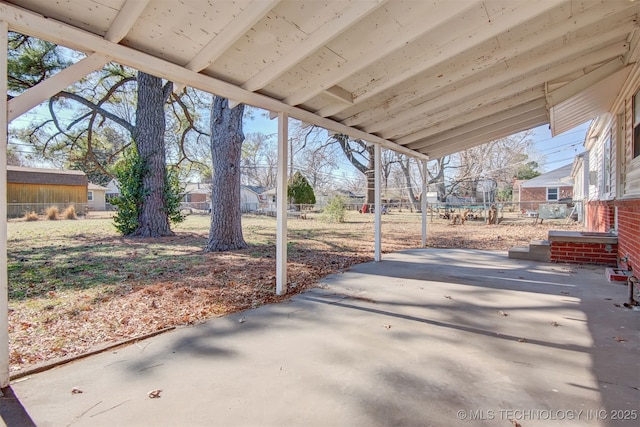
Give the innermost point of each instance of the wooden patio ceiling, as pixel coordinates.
(423, 77)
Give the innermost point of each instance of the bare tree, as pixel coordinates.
(313, 154)
(361, 156)
(497, 161)
(259, 160)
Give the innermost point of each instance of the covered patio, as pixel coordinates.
(427, 337)
(421, 336)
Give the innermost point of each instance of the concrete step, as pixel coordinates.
(540, 243)
(535, 252)
(540, 247)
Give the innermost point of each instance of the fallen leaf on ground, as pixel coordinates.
(502, 313)
(76, 390)
(556, 324)
(387, 326)
(242, 320)
(619, 339)
(522, 340)
(448, 296)
(153, 394)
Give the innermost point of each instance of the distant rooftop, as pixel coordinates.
(25, 175)
(560, 177)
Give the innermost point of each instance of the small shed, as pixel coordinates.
(35, 189)
(250, 198)
(96, 197)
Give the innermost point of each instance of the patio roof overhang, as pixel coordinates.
(423, 78)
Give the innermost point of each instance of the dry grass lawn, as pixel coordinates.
(76, 285)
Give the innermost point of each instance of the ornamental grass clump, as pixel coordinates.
(30, 216)
(52, 213)
(70, 212)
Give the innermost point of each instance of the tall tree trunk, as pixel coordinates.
(367, 152)
(226, 150)
(148, 134)
(413, 201)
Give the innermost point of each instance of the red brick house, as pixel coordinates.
(552, 187)
(608, 173)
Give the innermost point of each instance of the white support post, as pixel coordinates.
(4, 281)
(424, 203)
(281, 205)
(378, 204)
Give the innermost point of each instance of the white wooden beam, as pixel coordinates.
(378, 203)
(441, 13)
(448, 45)
(467, 111)
(233, 103)
(473, 133)
(578, 85)
(501, 130)
(4, 280)
(281, 205)
(352, 13)
(127, 16)
(555, 64)
(340, 94)
(533, 108)
(236, 28)
(423, 164)
(516, 57)
(65, 35)
(54, 84)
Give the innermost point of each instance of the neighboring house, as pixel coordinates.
(197, 196)
(608, 172)
(34, 189)
(268, 198)
(250, 198)
(552, 187)
(113, 189)
(96, 197)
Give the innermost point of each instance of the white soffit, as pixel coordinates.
(588, 104)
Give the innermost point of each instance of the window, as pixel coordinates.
(606, 165)
(552, 193)
(636, 124)
(90, 196)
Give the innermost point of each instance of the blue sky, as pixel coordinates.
(554, 152)
(560, 150)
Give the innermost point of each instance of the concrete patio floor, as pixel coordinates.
(424, 338)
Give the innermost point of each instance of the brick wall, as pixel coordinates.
(629, 232)
(584, 253)
(599, 216)
(532, 197)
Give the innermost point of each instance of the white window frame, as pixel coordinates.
(557, 191)
(606, 166)
(90, 196)
(635, 148)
